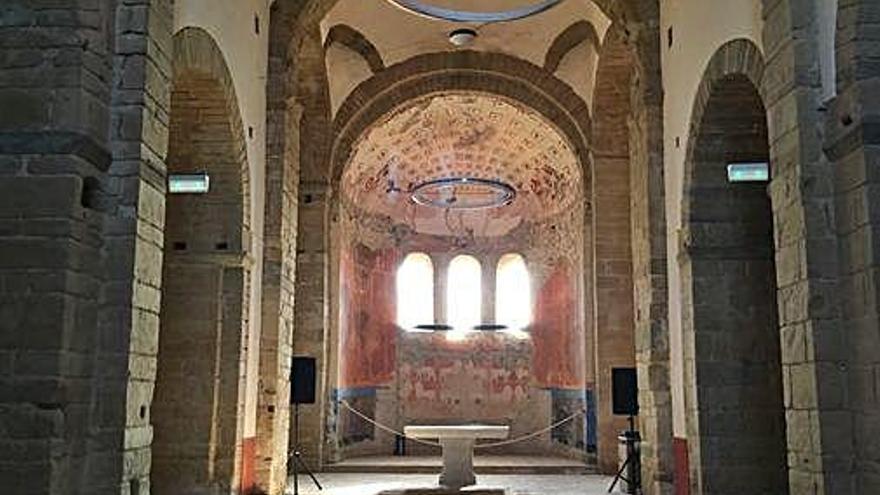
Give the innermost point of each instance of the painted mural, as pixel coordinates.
(367, 336)
(557, 333)
(484, 378)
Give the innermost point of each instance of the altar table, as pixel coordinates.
(458, 448)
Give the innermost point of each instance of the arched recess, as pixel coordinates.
(735, 411)
(356, 42)
(572, 36)
(639, 19)
(557, 293)
(573, 58)
(350, 59)
(198, 439)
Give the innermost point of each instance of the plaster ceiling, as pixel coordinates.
(398, 35)
(462, 135)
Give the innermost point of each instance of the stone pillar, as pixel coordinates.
(814, 367)
(279, 275)
(82, 143)
(853, 145)
(311, 309)
(650, 287)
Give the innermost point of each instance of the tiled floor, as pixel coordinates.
(374, 484)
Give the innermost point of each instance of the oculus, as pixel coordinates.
(433, 11)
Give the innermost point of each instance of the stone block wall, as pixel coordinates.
(76, 79)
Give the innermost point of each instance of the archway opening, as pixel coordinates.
(453, 194)
(735, 395)
(196, 416)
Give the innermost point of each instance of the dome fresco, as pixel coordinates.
(463, 136)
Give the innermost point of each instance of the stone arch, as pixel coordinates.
(494, 73)
(356, 42)
(195, 51)
(500, 76)
(638, 22)
(577, 33)
(732, 353)
(738, 57)
(198, 442)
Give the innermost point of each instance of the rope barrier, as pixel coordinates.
(511, 441)
(386, 428)
(529, 435)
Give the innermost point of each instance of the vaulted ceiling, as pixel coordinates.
(460, 135)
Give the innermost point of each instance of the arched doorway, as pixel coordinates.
(196, 412)
(733, 370)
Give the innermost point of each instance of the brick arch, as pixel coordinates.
(196, 54)
(497, 74)
(357, 42)
(572, 36)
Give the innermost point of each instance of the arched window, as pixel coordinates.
(464, 293)
(513, 294)
(415, 291)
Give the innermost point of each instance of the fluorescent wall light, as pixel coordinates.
(198, 183)
(748, 172)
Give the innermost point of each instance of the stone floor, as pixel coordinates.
(484, 464)
(418, 484)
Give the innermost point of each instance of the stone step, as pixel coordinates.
(482, 465)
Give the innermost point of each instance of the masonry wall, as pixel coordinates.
(78, 345)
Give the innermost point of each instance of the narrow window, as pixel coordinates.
(464, 293)
(513, 294)
(415, 291)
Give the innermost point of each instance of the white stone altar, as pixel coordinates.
(458, 448)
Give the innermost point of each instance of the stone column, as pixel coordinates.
(82, 141)
(853, 145)
(814, 368)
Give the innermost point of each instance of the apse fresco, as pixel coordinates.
(367, 332)
(459, 135)
(527, 378)
(557, 335)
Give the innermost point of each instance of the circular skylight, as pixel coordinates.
(442, 13)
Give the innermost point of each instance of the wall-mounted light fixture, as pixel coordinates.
(462, 37)
(748, 172)
(193, 183)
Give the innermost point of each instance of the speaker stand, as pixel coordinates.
(632, 464)
(295, 457)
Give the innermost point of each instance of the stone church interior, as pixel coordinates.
(388, 247)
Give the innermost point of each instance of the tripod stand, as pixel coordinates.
(295, 457)
(632, 464)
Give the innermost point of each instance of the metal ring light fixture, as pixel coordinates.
(424, 9)
(441, 193)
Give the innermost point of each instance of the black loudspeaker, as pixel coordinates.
(624, 392)
(302, 380)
